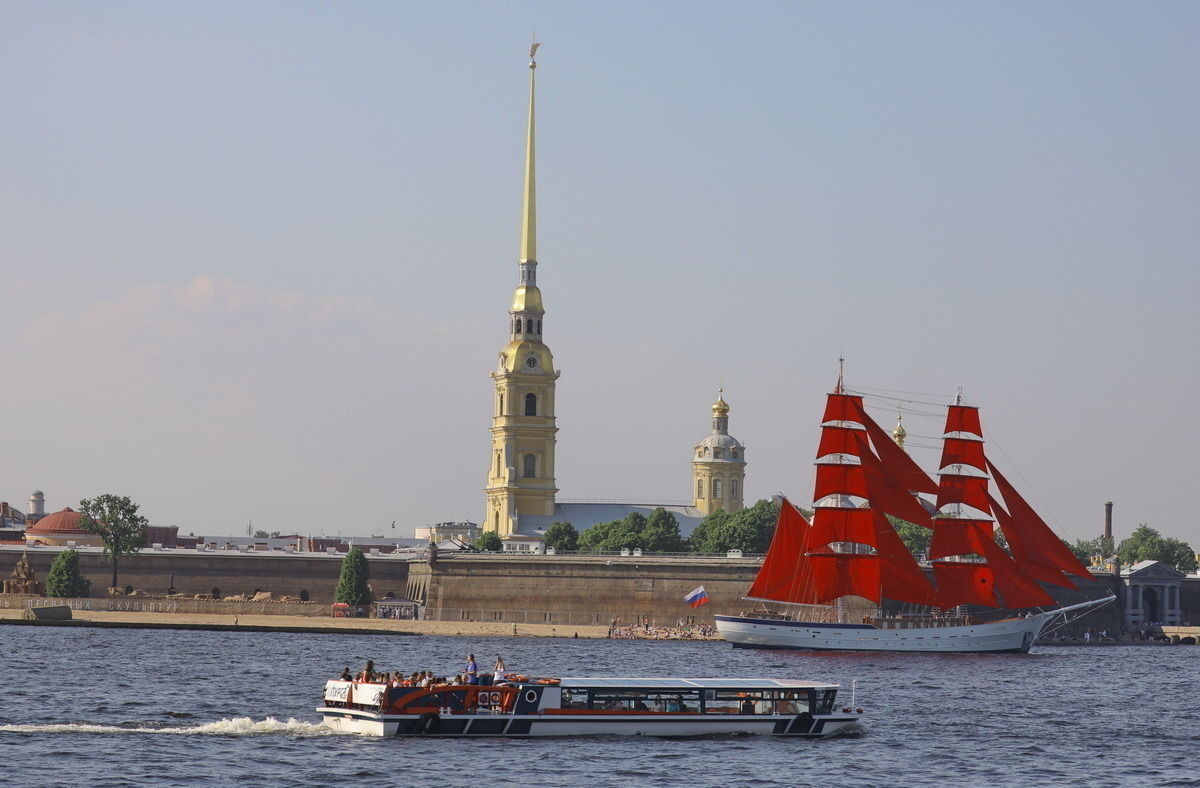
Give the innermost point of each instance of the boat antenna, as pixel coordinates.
(841, 364)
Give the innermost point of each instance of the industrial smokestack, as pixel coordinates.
(1108, 520)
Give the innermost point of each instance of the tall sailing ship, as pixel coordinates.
(846, 580)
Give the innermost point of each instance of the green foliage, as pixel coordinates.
(562, 537)
(352, 583)
(616, 535)
(1147, 544)
(64, 579)
(661, 534)
(916, 538)
(488, 541)
(749, 530)
(115, 519)
(1084, 549)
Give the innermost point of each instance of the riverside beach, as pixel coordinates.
(285, 623)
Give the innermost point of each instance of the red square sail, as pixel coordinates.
(968, 490)
(954, 536)
(963, 418)
(838, 440)
(844, 574)
(964, 584)
(957, 451)
(841, 407)
(839, 479)
(841, 525)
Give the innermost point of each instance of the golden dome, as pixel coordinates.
(527, 299)
(720, 408)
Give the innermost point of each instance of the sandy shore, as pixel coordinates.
(252, 623)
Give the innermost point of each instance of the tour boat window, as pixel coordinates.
(825, 701)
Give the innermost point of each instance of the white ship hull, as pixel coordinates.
(1010, 635)
(1015, 635)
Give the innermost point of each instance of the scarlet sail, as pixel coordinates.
(852, 549)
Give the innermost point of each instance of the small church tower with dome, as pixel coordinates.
(520, 477)
(719, 466)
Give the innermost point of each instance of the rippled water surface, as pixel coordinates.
(102, 707)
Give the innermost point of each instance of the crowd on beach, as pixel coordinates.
(1094, 636)
(646, 629)
(427, 678)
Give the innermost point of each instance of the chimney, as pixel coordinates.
(1108, 520)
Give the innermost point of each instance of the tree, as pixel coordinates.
(115, 520)
(761, 519)
(64, 579)
(1147, 544)
(749, 530)
(489, 542)
(1084, 549)
(352, 583)
(562, 536)
(661, 534)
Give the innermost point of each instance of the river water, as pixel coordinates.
(111, 707)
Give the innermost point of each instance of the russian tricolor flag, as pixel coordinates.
(697, 597)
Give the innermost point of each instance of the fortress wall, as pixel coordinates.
(189, 572)
(500, 587)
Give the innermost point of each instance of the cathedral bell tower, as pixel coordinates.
(521, 468)
(719, 466)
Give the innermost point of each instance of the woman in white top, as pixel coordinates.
(499, 670)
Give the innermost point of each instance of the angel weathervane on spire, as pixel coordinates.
(533, 54)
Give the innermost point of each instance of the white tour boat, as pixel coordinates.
(846, 581)
(589, 707)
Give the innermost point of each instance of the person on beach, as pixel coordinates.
(499, 670)
(472, 670)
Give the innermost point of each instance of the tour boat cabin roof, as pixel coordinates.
(676, 684)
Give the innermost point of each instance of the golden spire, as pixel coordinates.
(529, 213)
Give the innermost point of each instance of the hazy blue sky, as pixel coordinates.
(257, 257)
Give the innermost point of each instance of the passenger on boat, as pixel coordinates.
(747, 706)
(346, 674)
(658, 703)
(498, 671)
(368, 673)
(472, 670)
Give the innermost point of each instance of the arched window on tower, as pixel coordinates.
(733, 489)
(699, 488)
(517, 326)
(501, 404)
(497, 464)
(716, 489)
(539, 325)
(530, 404)
(530, 466)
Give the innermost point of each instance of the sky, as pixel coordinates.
(257, 257)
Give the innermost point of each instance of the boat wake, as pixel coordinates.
(237, 726)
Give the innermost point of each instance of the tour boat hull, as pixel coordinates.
(590, 707)
(376, 724)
